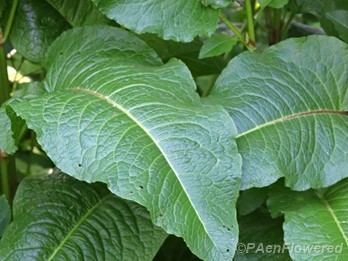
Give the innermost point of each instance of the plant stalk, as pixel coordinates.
(10, 21)
(233, 28)
(276, 25)
(250, 19)
(7, 162)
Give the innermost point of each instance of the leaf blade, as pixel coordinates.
(153, 148)
(319, 216)
(68, 223)
(179, 21)
(289, 93)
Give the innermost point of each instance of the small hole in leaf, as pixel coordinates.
(227, 250)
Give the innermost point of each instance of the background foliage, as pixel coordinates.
(173, 130)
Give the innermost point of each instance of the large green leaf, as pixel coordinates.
(34, 28)
(316, 222)
(289, 106)
(59, 218)
(79, 12)
(116, 114)
(179, 20)
(5, 214)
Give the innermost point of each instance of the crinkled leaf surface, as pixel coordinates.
(79, 12)
(5, 214)
(314, 218)
(116, 114)
(57, 217)
(179, 20)
(217, 44)
(35, 27)
(289, 106)
(261, 238)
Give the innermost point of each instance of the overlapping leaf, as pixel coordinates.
(179, 20)
(79, 12)
(289, 107)
(51, 221)
(316, 222)
(116, 114)
(35, 27)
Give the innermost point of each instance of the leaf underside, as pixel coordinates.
(319, 217)
(114, 113)
(179, 20)
(289, 105)
(86, 223)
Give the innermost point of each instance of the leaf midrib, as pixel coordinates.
(77, 225)
(290, 117)
(333, 215)
(125, 111)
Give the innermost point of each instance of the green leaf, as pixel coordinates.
(273, 3)
(180, 20)
(261, 238)
(251, 199)
(216, 45)
(337, 24)
(79, 12)
(57, 218)
(7, 142)
(289, 106)
(34, 28)
(216, 3)
(117, 115)
(5, 214)
(314, 219)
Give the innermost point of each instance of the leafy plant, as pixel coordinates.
(173, 130)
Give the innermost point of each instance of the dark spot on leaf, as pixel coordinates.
(80, 165)
(131, 192)
(160, 215)
(141, 187)
(228, 229)
(227, 250)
